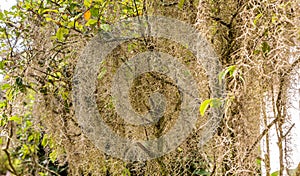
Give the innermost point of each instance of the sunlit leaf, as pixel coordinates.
(231, 70)
(42, 174)
(91, 22)
(179, 149)
(204, 105)
(102, 73)
(87, 3)
(9, 94)
(274, 19)
(61, 32)
(45, 140)
(257, 17)
(48, 19)
(53, 156)
(258, 161)
(2, 64)
(30, 138)
(49, 10)
(5, 86)
(181, 3)
(3, 104)
(16, 119)
(275, 173)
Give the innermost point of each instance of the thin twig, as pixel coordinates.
(259, 138)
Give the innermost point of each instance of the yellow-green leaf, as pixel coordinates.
(87, 3)
(9, 94)
(53, 156)
(16, 119)
(181, 3)
(3, 104)
(179, 149)
(275, 173)
(102, 73)
(5, 86)
(91, 22)
(257, 18)
(45, 140)
(61, 32)
(274, 19)
(204, 105)
(49, 10)
(231, 70)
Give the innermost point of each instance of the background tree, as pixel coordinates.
(40, 44)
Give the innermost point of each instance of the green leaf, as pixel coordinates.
(65, 17)
(28, 124)
(42, 174)
(94, 11)
(274, 18)
(49, 10)
(2, 63)
(221, 76)
(181, 3)
(3, 120)
(5, 86)
(179, 149)
(25, 150)
(231, 70)
(72, 24)
(16, 119)
(61, 32)
(3, 104)
(87, 3)
(45, 140)
(9, 94)
(256, 51)
(265, 47)
(204, 105)
(30, 138)
(126, 172)
(258, 161)
(53, 156)
(48, 19)
(91, 22)
(202, 172)
(102, 73)
(275, 173)
(257, 18)
(105, 27)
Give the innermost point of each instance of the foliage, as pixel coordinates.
(36, 51)
(213, 102)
